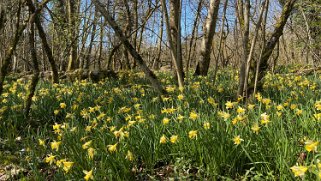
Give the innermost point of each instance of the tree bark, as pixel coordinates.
(209, 31)
(149, 74)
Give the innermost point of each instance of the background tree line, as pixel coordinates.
(187, 37)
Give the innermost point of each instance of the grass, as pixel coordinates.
(122, 130)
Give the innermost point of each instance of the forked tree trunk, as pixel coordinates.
(271, 43)
(119, 33)
(43, 36)
(254, 40)
(209, 31)
(174, 47)
(263, 44)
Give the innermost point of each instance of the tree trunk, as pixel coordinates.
(157, 60)
(2, 17)
(101, 36)
(72, 20)
(43, 36)
(174, 48)
(195, 26)
(127, 32)
(175, 27)
(136, 24)
(209, 31)
(271, 43)
(35, 66)
(12, 48)
(243, 15)
(263, 44)
(92, 37)
(220, 43)
(254, 40)
(149, 74)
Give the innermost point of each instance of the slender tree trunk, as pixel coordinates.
(308, 32)
(136, 24)
(111, 55)
(157, 59)
(195, 26)
(35, 77)
(92, 37)
(149, 74)
(285, 49)
(2, 17)
(220, 43)
(209, 31)
(243, 15)
(127, 32)
(72, 20)
(13, 46)
(85, 25)
(101, 36)
(275, 59)
(263, 45)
